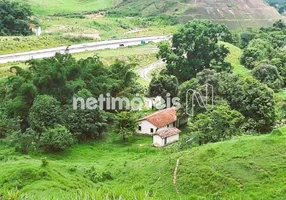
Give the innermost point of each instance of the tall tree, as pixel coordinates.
(257, 50)
(126, 124)
(195, 48)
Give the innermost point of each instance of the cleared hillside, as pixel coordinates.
(235, 13)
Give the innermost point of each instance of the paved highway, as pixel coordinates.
(111, 44)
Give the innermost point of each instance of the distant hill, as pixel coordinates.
(235, 13)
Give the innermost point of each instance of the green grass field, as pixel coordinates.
(50, 7)
(247, 167)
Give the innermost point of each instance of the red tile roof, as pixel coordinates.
(168, 132)
(162, 118)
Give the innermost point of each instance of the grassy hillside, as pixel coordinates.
(49, 7)
(236, 14)
(234, 58)
(251, 167)
(248, 167)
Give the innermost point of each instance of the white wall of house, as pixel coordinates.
(160, 142)
(172, 139)
(146, 128)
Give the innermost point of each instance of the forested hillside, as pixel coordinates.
(280, 5)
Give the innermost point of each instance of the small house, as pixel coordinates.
(166, 137)
(161, 125)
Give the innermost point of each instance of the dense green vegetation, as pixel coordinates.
(264, 53)
(194, 48)
(196, 59)
(251, 98)
(41, 98)
(280, 5)
(50, 150)
(14, 18)
(162, 85)
(216, 125)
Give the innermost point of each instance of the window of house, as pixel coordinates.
(168, 126)
(152, 130)
(139, 128)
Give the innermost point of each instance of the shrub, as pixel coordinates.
(96, 177)
(23, 142)
(56, 139)
(93, 175)
(106, 176)
(45, 113)
(72, 169)
(45, 162)
(7, 125)
(277, 132)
